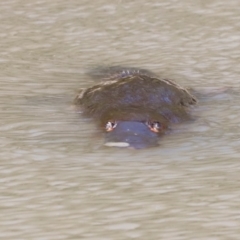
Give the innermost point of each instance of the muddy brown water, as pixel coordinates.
(58, 181)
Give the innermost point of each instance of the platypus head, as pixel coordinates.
(133, 127)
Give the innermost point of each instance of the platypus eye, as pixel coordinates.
(110, 125)
(154, 126)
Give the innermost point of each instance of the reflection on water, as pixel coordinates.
(58, 181)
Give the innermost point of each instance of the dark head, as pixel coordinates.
(133, 128)
(135, 107)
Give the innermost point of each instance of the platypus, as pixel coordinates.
(134, 107)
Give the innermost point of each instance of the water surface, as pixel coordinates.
(58, 181)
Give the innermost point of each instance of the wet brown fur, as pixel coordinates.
(136, 96)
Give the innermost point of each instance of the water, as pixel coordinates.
(58, 181)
